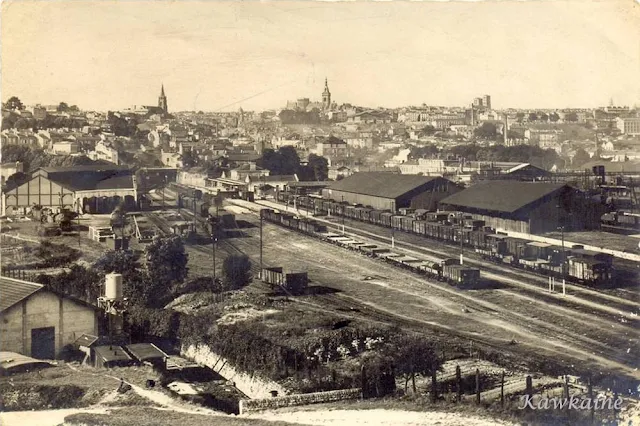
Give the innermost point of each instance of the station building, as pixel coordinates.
(84, 189)
(387, 191)
(527, 207)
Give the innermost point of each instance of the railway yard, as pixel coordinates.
(511, 312)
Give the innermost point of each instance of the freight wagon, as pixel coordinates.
(455, 228)
(454, 274)
(290, 283)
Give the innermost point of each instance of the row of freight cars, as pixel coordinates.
(448, 270)
(574, 263)
(621, 219)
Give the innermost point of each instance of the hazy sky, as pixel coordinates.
(223, 55)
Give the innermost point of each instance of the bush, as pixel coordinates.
(236, 271)
(55, 255)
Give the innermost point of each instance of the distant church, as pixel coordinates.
(303, 104)
(326, 96)
(162, 101)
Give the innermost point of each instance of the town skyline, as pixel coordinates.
(260, 55)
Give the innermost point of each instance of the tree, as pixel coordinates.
(166, 265)
(14, 103)
(487, 131)
(581, 157)
(520, 117)
(554, 117)
(78, 281)
(16, 180)
(236, 270)
(544, 117)
(138, 287)
(572, 116)
(319, 166)
(423, 151)
(190, 159)
(290, 160)
(413, 355)
(62, 107)
(533, 116)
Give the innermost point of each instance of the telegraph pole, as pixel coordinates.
(260, 243)
(343, 213)
(214, 241)
(461, 246)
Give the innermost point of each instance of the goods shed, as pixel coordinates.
(386, 191)
(527, 207)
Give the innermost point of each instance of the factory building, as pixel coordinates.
(387, 191)
(87, 189)
(37, 322)
(527, 207)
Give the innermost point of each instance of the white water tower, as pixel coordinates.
(113, 303)
(113, 287)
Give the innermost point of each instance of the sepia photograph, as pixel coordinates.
(319, 213)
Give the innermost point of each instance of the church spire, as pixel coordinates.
(326, 95)
(162, 100)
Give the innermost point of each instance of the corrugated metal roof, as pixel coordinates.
(11, 360)
(112, 353)
(502, 196)
(13, 291)
(379, 184)
(145, 351)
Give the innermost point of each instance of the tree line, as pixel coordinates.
(286, 161)
(543, 158)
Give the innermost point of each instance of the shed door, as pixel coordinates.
(43, 343)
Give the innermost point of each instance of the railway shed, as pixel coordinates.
(88, 189)
(527, 207)
(386, 191)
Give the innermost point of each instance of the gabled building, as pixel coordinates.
(38, 322)
(388, 191)
(526, 207)
(89, 189)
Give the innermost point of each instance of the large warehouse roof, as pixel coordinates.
(86, 178)
(502, 196)
(379, 184)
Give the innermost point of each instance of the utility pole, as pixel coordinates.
(163, 185)
(214, 241)
(260, 243)
(461, 246)
(564, 261)
(393, 235)
(343, 212)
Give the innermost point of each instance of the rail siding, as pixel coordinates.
(617, 253)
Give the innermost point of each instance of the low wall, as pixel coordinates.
(616, 253)
(300, 399)
(249, 384)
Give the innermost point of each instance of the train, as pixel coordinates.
(448, 270)
(188, 196)
(621, 219)
(573, 263)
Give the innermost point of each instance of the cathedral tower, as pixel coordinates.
(162, 101)
(326, 96)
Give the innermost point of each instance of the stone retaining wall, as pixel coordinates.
(300, 399)
(249, 384)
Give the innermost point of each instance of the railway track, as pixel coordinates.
(543, 322)
(592, 299)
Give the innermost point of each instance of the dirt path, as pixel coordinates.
(378, 417)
